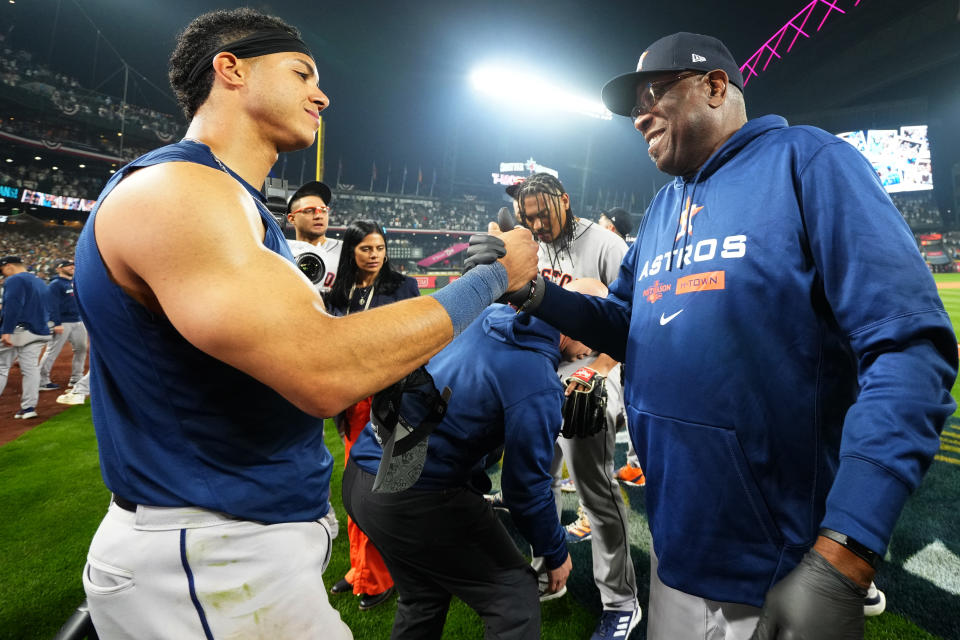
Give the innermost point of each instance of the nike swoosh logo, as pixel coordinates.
(665, 320)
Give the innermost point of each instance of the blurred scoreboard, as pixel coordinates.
(901, 157)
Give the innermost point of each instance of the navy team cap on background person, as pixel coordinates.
(513, 189)
(5, 260)
(60, 264)
(621, 220)
(678, 52)
(311, 189)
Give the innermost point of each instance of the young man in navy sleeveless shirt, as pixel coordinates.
(208, 413)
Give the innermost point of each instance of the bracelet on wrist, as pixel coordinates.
(867, 555)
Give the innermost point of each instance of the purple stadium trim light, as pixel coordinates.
(796, 26)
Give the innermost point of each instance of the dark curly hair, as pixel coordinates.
(386, 282)
(201, 36)
(549, 187)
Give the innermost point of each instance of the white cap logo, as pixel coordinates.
(640, 61)
(698, 58)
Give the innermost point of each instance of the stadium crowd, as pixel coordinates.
(75, 183)
(56, 131)
(409, 212)
(20, 72)
(951, 240)
(918, 209)
(39, 248)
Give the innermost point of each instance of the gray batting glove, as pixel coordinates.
(813, 602)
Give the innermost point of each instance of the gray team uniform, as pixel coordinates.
(63, 312)
(597, 253)
(329, 251)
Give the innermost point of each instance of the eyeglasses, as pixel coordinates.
(654, 91)
(312, 210)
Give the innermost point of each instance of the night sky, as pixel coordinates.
(397, 72)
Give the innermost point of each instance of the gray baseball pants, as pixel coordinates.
(28, 356)
(675, 615)
(76, 334)
(590, 463)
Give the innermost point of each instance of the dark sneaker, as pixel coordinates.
(616, 625)
(50, 386)
(342, 586)
(29, 412)
(369, 602)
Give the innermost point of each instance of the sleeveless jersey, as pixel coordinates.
(177, 427)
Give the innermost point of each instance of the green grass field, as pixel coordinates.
(53, 500)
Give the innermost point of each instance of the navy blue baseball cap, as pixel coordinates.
(678, 52)
(620, 219)
(314, 188)
(59, 264)
(5, 260)
(513, 189)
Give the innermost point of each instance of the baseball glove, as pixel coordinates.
(584, 410)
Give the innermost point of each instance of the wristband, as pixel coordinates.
(465, 298)
(585, 376)
(869, 556)
(536, 295)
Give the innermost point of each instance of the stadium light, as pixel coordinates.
(530, 92)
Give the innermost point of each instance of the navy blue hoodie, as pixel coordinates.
(24, 303)
(61, 301)
(788, 359)
(503, 374)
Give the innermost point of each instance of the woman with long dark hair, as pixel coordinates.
(365, 279)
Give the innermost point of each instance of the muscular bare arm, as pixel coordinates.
(186, 241)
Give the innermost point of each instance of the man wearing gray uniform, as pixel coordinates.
(570, 248)
(23, 330)
(67, 327)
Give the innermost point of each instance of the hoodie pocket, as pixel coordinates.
(712, 531)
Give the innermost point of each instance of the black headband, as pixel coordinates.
(256, 44)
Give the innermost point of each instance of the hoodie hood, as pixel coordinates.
(746, 134)
(522, 330)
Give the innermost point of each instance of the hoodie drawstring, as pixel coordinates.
(679, 228)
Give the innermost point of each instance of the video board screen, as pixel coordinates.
(901, 157)
(56, 202)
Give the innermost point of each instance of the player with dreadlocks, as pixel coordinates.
(548, 216)
(571, 248)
